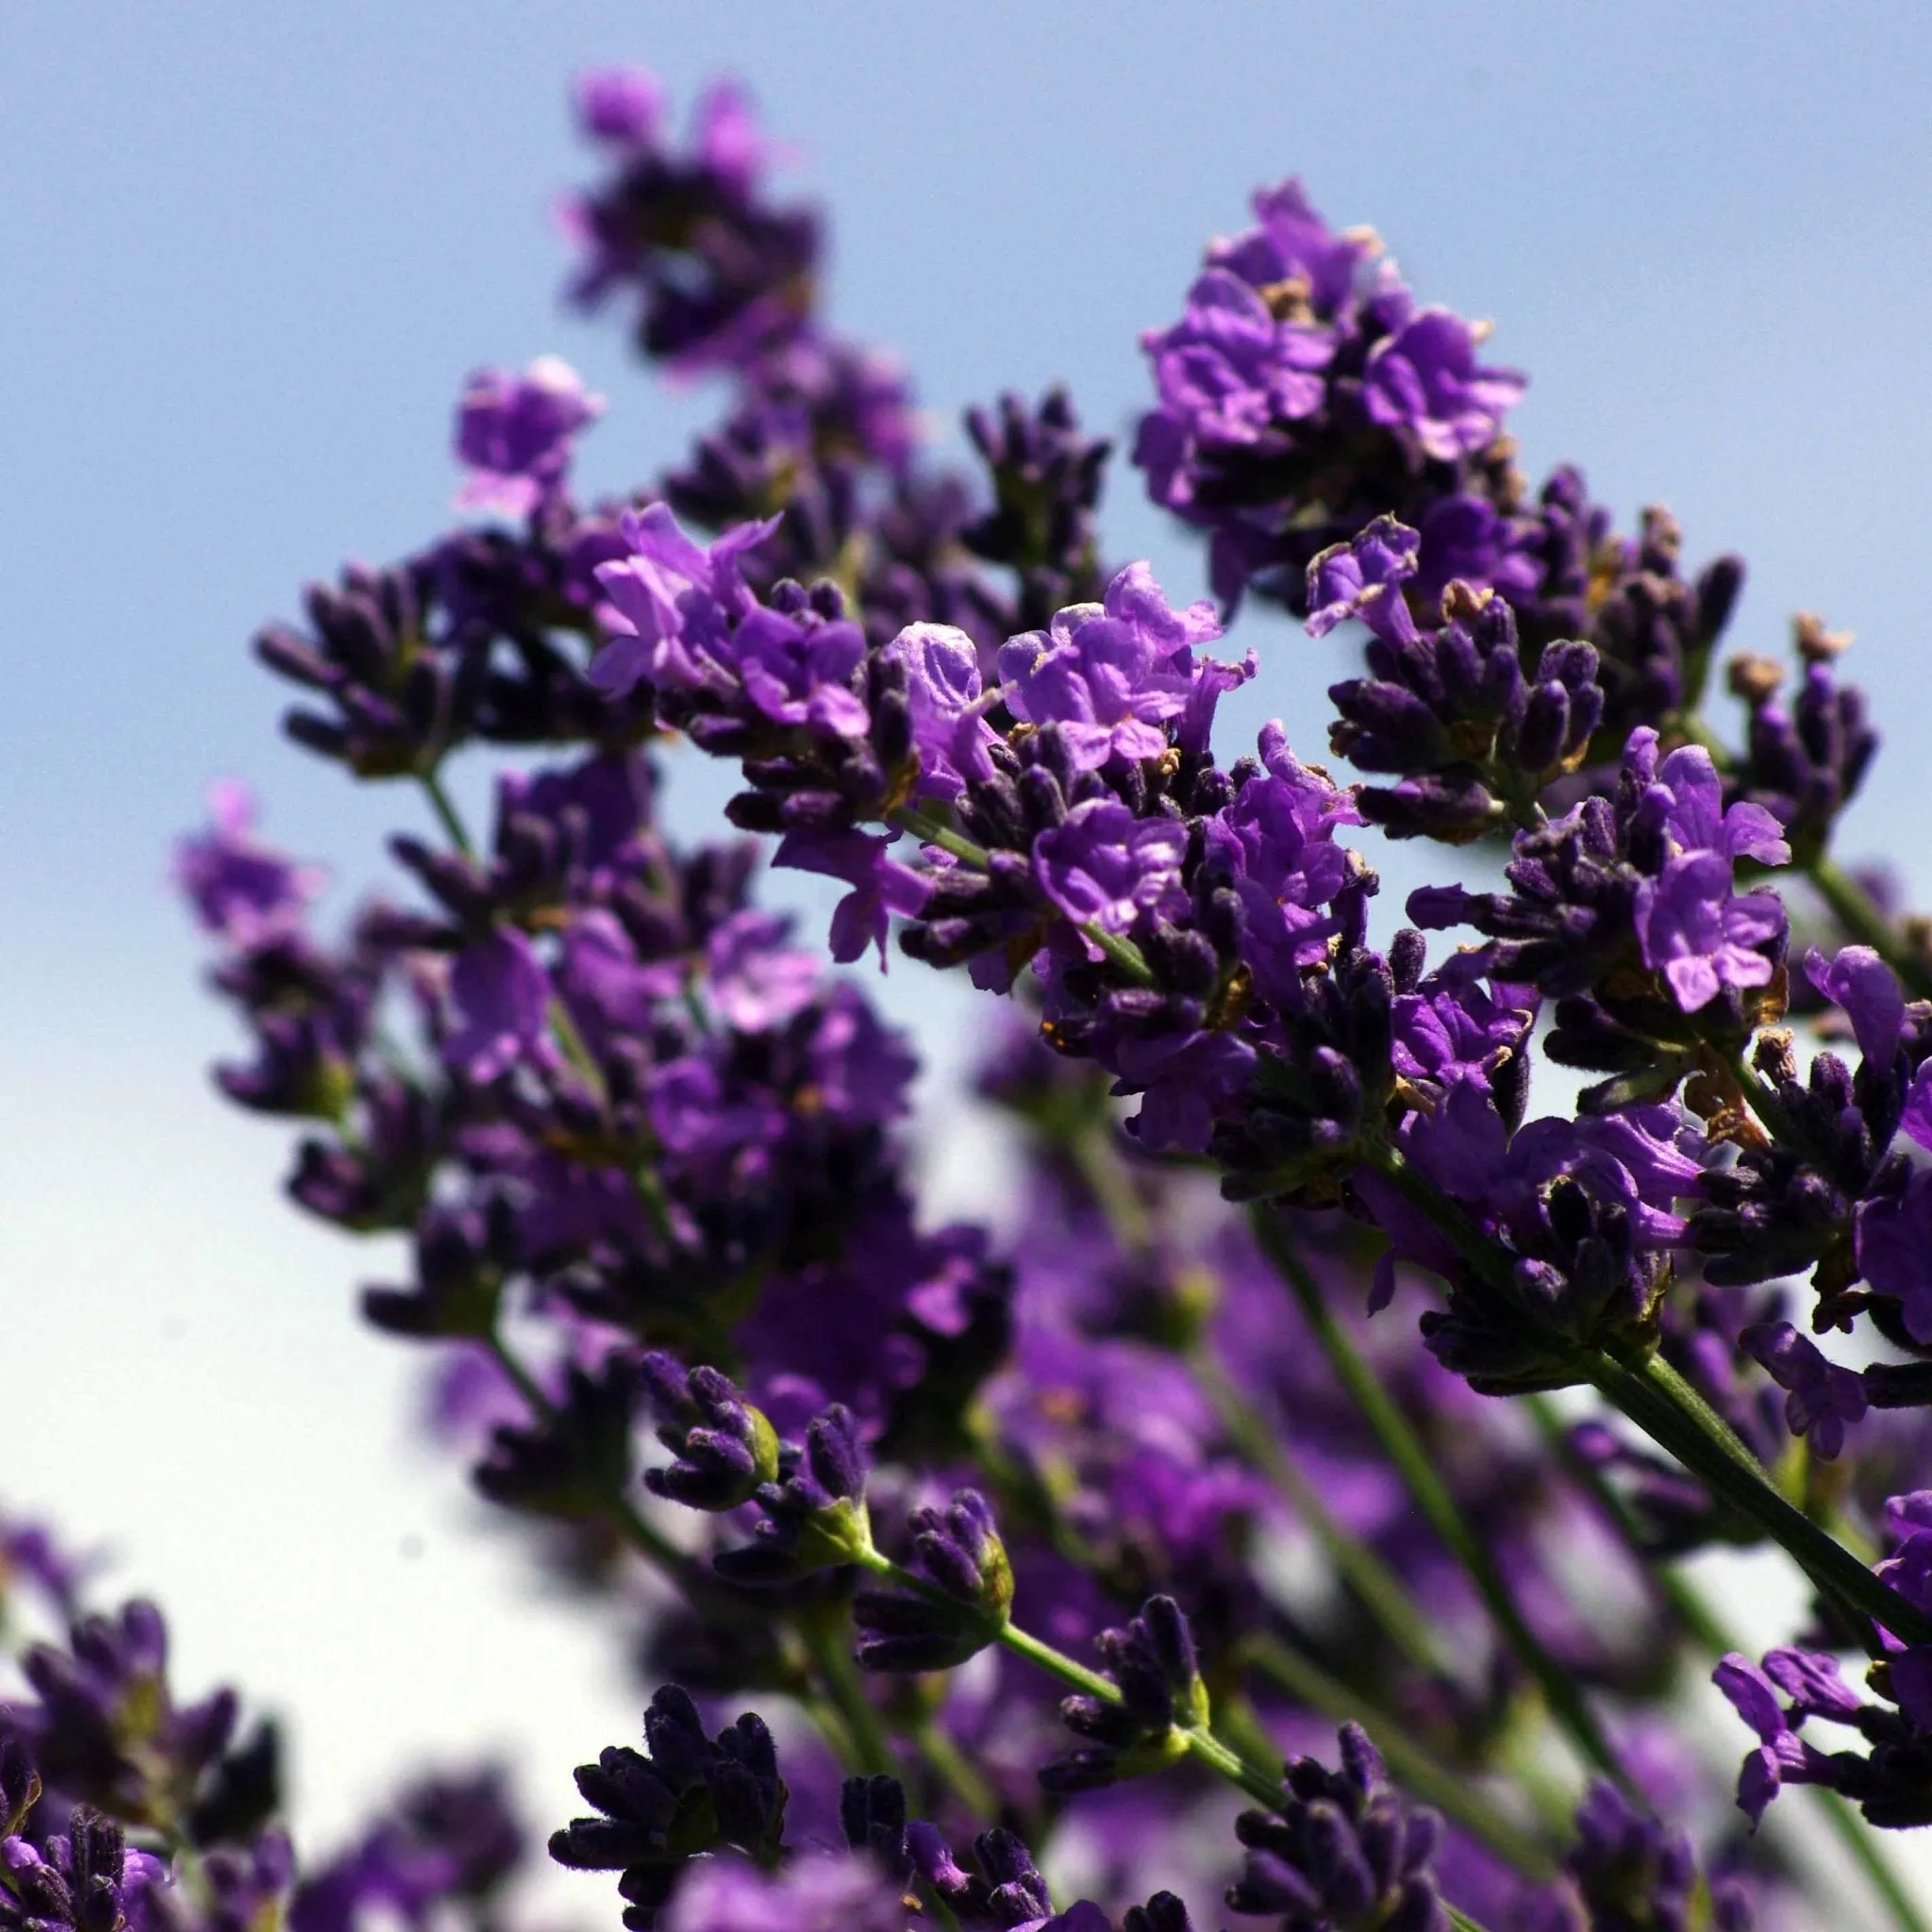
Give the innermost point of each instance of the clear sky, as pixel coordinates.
(248, 254)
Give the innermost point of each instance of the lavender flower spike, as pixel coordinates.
(958, 1551)
(725, 1449)
(1345, 1853)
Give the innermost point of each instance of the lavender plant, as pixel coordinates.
(1139, 1534)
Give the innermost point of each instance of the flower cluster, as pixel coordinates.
(1305, 391)
(893, 1483)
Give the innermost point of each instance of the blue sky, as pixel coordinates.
(249, 255)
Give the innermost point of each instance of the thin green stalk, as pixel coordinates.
(871, 1753)
(1382, 1593)
(1665, 1407)
(955, 1770)
(929, 830)
(1417, 1468)
(1673, 1414)
(1199, 1743)
(575, 1051)
(447, 815)
(1452, 1792)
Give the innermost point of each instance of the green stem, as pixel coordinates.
(929, 830)
(955, 1770)
(1452, 1792)
(1708, 1630)
(1674, 1415)
(1853, 909)
(1200, 1743)
(1419, 1474)
(575, 1051)
(445, 808)
(1383, 1594)
(871, 1753)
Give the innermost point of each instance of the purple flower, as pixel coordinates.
(1916, 1121)
(1425, 378)
(445, 1843)
(1364, 578)
(621, 104)
(81, 1880)
(723, 277)
(240, 890)
(949, 706)
(1292, 244)
(1867, 990)
(1105, 867)
(1702, 935)
(1823, 1398)
(30, 1550)
(1451, 1027)
(1891, 1237)
(1110, 676)
(668, 604)
(859, 1069)
(799, 672)
(1225, 372)
(881, 884)
(1782, 1756)
(603, 802)
(1465, 536)
(840, 1892)
(757, 981)
(609, 989)
(514, 433)
(1277, 840)
(501, 996)
(1687, 794)
(1184, 1082)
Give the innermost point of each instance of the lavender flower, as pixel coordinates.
(441, 1842)
(1152, 1662)
(1344, 1851)
(958, 1551)
(1824, 1399)
(838, 1893)
(514, 435)
(1303, 389)
(724, 1448)
(1475, 736)
(243, 892)
(1630, 1870)
(84, 1880)
(720, 275)
(650, 1804)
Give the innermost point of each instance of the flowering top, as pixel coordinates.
(1303, 363)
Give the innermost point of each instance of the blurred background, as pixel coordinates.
(250, 253)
